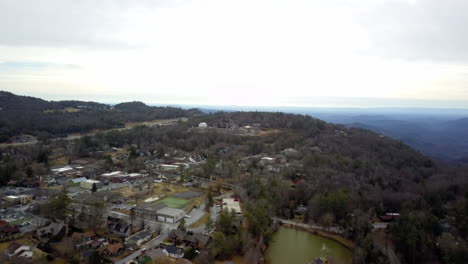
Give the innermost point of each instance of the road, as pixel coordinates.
(195, 214)
(331, 229)
(161, 122)
(151, 244)
(214, 213)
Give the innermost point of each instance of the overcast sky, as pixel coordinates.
(343, 53)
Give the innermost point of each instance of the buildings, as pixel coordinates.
(138, 239)
(8, 231)
(19, 199)
(88, 184)
(168, 167)
(197, 241)
(78, 180)
(170, 215)
(149, 211)
(113, 250)
(174, 252)
(18, 250)
(54, 231)
(120, 228)
(118, 176)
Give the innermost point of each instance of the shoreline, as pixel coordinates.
(332, 236)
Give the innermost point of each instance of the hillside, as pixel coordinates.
(349, 157)
(338, 176)
(24, 115)
(444, 140)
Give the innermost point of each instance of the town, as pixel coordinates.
(222, 188)
(160, 210)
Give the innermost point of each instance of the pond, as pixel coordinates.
(294, 246)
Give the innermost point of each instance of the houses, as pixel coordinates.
(267, 160)
(62, 170)
(170, 215)
(389, 217)
(19, 199)
(300, 210)
(138, 239)
(88, 184)
(54, 231)
(197, 240)
(173, 252)
(113, 250)
(19, 251)
(120, 228)
(194, 240)
(78, 180)
(88, 240)
(119, 177)
(159, 179)
(168, 167)
(113, 174)
(177, 235)
(7, 231)
(291, 153)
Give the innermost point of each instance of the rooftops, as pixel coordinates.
(171, 212)
(110, 174)
(13, 247)
(92, 181)
(174, 250)
(63, 169)
(142, 234)
(78, 180)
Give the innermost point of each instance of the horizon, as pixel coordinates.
(322, 111)
(214, 106)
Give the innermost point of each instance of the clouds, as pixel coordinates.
(59, 23)
(236, 52)
(430, 30)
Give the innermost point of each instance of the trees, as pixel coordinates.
(258, 218)
(209, 225)
(58, 205)
(33, 116)
(327, 220)
(182, 224)
(227, 240)
(415, 234)
(209, 166)
(209, 200)
(96, 213)
(225, 222)
(95, 258)
(335, 204)
(132, 216)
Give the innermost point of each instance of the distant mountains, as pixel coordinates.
(438, 133)
(24, 115)
(437, 137)
(441, 134)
